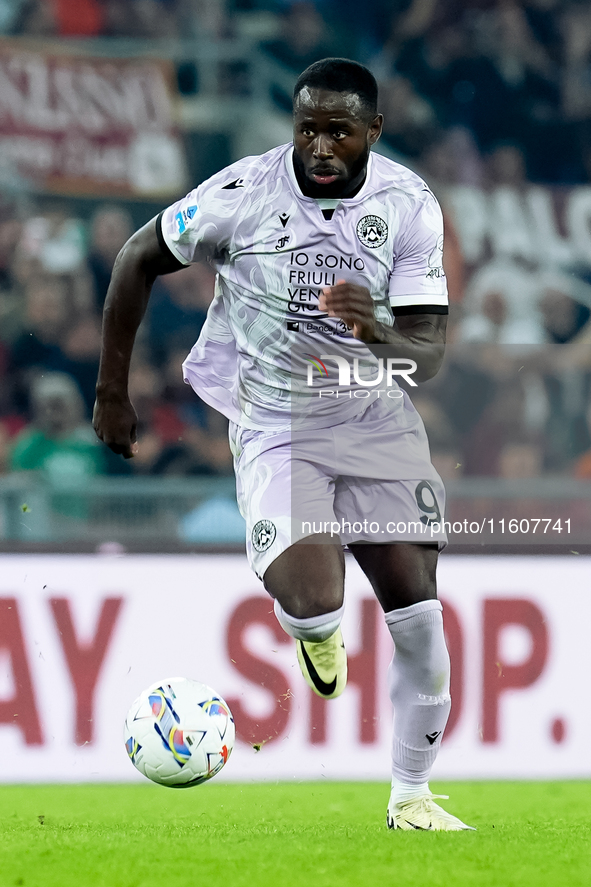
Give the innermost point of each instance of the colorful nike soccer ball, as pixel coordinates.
(179, 733)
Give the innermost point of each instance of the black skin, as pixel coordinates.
(333, 133)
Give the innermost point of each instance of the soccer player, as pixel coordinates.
(329, 283)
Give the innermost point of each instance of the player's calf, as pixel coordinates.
(419, 690)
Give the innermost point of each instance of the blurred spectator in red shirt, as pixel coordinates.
(79, 18)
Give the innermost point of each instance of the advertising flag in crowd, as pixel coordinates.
(75, 124)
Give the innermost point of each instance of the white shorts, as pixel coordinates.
(368, 480)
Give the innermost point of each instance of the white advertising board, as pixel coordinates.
(81, 636)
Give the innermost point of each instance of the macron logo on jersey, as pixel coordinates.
(183, 218)
(237, 183)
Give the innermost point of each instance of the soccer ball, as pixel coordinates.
(179, 733)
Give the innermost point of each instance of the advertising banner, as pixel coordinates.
(73, 124)
(82, 636)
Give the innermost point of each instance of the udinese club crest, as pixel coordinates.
(263, 535)
(372, 231)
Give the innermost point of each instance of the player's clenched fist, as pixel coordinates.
(354, 305)
(115, 422)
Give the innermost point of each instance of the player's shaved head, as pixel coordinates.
(344, 76)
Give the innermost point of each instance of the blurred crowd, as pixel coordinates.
(492, 94)
(494, 410)
(54, 274)
(511, 72)
(514, 72)
(510, 411)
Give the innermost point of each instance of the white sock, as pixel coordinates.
(404, 791)
(419, 690)
(313, 628)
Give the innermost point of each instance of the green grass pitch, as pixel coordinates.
(323, 834)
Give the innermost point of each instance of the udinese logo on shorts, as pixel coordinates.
(263, 535)
(372, 231)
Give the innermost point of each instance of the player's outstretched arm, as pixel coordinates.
(418, 337)
(138, 264)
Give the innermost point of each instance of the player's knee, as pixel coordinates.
(401, 597)
(316, 628)
(311, 602)
(307, 580)
(422, 591)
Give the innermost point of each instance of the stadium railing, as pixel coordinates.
(162, 514)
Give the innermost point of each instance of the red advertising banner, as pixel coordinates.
(82, 636)
(75, 124)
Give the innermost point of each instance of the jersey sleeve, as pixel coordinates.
(417, 283)
(201, 225)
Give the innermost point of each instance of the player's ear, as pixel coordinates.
(375, 129)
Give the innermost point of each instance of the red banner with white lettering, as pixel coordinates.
(93, 126)
(82, 636)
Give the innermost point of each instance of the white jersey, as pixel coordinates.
(274, 250)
